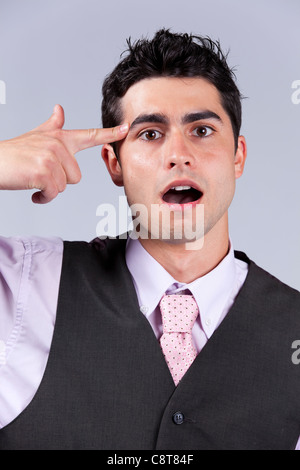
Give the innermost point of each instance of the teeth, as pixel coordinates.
(181, 188)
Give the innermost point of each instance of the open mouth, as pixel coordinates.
(182, 195)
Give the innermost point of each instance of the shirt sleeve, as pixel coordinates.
(30, 271)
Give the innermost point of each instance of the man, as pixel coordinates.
(89, 351)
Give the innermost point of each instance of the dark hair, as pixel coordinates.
(172, 55)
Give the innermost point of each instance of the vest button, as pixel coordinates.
(178, 417)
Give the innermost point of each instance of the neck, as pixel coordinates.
(184, 264)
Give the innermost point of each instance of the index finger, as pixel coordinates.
(80, 139)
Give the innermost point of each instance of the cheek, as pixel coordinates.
(137, 166)
(222, 176)
(135, 173)
(137, 178)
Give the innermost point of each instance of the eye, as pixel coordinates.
(202, 131)
(150, 135)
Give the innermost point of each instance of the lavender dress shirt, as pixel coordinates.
(29, 282)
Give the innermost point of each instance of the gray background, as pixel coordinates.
(60, 51)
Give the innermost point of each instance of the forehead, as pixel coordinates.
(171, 96)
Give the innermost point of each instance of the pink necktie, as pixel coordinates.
(179, 313)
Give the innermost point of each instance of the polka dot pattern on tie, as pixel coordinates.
(179, 313)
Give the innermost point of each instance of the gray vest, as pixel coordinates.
(107, 386)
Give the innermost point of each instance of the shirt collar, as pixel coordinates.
(151, 281)
(213, 291)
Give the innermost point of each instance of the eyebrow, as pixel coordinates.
(159, 118)
(199, 116)
(145, 118)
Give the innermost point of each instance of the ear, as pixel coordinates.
(112, 164)
(240, 157)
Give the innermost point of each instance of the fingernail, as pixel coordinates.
(124, 128)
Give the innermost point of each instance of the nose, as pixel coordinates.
(178, 152)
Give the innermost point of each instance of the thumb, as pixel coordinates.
(56, 120)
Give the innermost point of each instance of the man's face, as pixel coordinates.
(180, 136)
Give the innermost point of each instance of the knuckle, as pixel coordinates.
(52, 194)
(49, 159)
(75, 177)
(62, 186)
(43, 165)
(40, 177)
(114, 133)
(92, 133)
(61, 181)
(52, 188)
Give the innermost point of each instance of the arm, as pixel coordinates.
(30, 268)
(44, 157)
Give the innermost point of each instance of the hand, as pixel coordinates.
(44, 157)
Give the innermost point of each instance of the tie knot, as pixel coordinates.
(179, 313)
